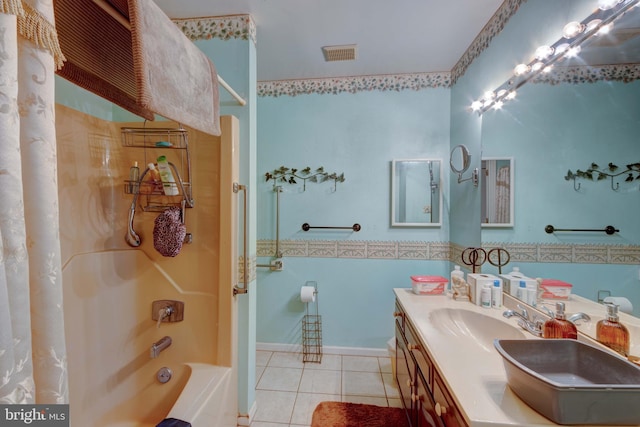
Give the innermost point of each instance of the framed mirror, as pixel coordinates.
(416, 193)
(497, 192)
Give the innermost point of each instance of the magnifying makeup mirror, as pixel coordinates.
(460, 160)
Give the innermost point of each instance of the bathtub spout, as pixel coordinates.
(159, 346)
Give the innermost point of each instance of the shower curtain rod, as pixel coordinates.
(104, 5)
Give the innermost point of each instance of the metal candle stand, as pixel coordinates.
(312, 331)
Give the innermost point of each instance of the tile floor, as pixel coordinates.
(288, 390)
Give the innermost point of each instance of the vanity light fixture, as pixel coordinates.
(573, 35)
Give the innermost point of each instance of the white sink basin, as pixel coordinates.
(474, 327)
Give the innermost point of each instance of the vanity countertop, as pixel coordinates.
(472, 370)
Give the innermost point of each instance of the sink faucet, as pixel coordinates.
(534, 326)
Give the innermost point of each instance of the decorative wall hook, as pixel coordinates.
(595, 173)
(292, 176)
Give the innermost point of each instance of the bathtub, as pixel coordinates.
(209, 397)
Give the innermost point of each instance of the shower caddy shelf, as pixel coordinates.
(170, 139)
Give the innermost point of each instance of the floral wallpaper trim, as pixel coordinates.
(336, 85)
(590, 74)
(219, 27)
(446, 251)
(481, 42)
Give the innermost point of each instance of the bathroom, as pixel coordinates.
(356, 271)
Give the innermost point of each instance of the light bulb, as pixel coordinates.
(521, 69)
(573, 52)
(476, 105)
(498, 105)
(561, 48)
(543, 52)
(593, 24)
(607, 4)
(537, 66)
(605, 29)
(488, 95)
(547, 69)
(572, 29)
(511, 95)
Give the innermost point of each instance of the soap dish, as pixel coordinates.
(571, 382)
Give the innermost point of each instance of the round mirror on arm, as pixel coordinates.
(460, 160)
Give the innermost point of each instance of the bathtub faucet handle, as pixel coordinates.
(164, 313)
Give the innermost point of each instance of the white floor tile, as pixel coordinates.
(385, 365)
(305, 405)
(262, 357)
(332, 362)
(259, 372)
(280, 379)
(390, 386)
(360, 363)
(274, 406)
(286, 360)
(318, 381)
(362, 384)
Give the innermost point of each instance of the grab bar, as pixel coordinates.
(609, 229)
(355, 227)
(237, 289)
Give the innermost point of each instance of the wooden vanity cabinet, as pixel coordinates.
(424, 395)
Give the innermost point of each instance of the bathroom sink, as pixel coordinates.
(571, 382)
(473, 326)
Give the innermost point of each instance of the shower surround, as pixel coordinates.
(109, 287)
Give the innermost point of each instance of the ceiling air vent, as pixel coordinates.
(345, 52)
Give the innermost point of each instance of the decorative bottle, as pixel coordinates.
(456, 275)
(559, 327)
(611, 332)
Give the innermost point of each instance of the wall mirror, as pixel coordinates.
(416, 193)
(560, 123)
(497, 192)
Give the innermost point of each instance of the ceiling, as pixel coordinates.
(392, 37)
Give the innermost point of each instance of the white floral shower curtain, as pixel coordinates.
(32, 342)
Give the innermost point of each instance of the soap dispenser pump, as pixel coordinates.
(611, 332)
(559, 326)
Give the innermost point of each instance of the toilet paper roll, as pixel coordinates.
(624, 305)
(308, 294)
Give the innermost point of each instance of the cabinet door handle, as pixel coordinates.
(413, 347)
(440, 409)
(416, 397)
(409, 383)
(398, 314)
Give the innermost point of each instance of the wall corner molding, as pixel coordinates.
(219, 27)
(354, 84)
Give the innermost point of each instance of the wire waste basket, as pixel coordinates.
(312, 329)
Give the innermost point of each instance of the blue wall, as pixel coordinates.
(358, 135)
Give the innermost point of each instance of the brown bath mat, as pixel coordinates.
(345, 414)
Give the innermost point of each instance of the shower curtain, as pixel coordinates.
(32, 342)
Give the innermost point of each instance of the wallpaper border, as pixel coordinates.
(446, 251)
(219, 27)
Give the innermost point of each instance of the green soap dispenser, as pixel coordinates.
(611, 332)
(559, 326)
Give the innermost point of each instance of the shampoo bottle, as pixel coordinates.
(559, 327)
(612, 333)
(521, 294)
(168, 181)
